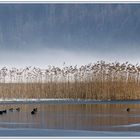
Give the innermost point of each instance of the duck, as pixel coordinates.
(33, 112)
(11, 109)
(1, 112)
(128, 109)
(18, 109)
(35, 109)
(4, 111)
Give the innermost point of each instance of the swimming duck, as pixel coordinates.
(4, 111)
(18, 109)
(35, 109)
(33, 112)
(11, 109)
(128, 109)
(1, 112)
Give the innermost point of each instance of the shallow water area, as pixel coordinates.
(73, 119)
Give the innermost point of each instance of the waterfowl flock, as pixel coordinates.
(34, 111)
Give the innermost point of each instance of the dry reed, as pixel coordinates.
(100, 81)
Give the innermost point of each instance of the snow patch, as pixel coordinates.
(128, 125)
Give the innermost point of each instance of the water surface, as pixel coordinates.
(91, 117)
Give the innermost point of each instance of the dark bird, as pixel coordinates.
(18, 109)
(1, 112)
(4, 111)
(33, 112)
(35, 109)
(128, 109)
(11, 109)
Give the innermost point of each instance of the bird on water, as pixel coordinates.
(34, 111)
(128, 109)
(18, 109)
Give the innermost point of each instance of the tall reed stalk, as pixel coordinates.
(100, 81)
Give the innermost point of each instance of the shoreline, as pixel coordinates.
(65, 101)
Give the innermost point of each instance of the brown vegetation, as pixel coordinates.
(101, 81)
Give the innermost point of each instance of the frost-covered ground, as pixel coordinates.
(63, 133)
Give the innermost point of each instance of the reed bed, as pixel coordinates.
(99, 81)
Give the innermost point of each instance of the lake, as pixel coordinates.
(93, 117)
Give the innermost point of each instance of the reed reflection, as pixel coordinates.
(75, 117)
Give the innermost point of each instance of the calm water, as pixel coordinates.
(97, 117)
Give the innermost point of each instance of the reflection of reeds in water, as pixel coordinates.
(113, 81)
(72, 116)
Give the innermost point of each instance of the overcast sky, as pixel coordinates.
(50, 34)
